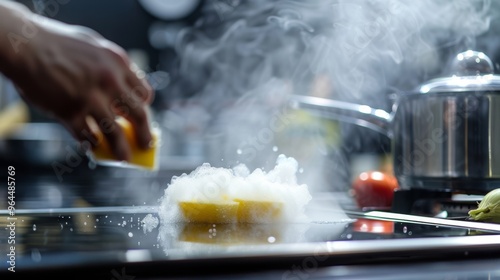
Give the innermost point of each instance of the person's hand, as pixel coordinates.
(83, 80)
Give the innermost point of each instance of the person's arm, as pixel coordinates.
(74, 74)
(11, 30)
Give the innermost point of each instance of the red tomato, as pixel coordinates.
(374, 189)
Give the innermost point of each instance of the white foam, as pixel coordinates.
(210, 184)
(149, 223)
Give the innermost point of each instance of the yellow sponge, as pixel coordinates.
(147, 159)
(209, 212)
(250, 211)
(241, 211)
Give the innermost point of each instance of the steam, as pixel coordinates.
(242, 68)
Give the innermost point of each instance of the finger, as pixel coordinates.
(139, 85)
(139, 118)
(133, 93)
(112, 132)
(124, 101)
(77, 127)
(82, 132)
(128, 104)
(91, 132)
(137, 113)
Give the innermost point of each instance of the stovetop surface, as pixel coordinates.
(87, 235)
(117, 236)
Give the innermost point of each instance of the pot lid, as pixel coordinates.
(472, 71)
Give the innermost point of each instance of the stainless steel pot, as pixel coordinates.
(445, 135)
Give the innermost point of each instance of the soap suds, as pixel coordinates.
(207, 184)
(149, 223)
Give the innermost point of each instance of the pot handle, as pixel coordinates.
(362, 115)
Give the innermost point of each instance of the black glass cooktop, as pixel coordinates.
(107, 239)
(67, 229)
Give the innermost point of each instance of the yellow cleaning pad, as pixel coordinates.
(147, 159)
(241, 211)
(209, 212)
(251, 211)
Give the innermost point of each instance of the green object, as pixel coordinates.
(488, 209)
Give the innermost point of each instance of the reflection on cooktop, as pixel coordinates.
(42, 234)
(83, 235)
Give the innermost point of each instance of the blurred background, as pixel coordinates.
(221, 70)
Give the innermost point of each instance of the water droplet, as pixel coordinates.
(130, 234)
(34, 227)
(62, 226)
(84, 223)
(405, 229)
(239, 151)
(97, 220)
(88, 216)
(106, 216)
(95, 226)
(349, 236)
(410, 233)
(301, 170)
(124, 223)
(139, 243)
(271, 239)
(70, 229)
(275, 149)
(210, 230)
